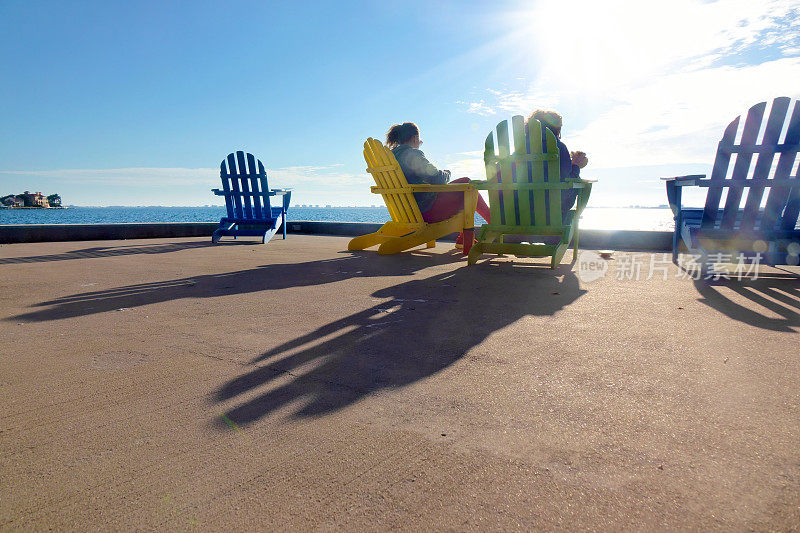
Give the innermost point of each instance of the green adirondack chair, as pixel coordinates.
(525, 189)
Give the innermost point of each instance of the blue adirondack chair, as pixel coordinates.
(766, 224)
(244, 186)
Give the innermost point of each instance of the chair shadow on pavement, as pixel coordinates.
(263, 278)
(764, 297)
(420, 328)
(110, 251)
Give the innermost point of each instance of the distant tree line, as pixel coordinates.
(31, 199)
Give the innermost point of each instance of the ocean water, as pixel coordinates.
(612, 218)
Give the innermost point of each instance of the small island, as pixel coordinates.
(31, 200)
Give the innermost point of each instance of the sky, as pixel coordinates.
(136, 103)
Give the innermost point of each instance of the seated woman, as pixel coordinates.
(570, 163)
(404, 142)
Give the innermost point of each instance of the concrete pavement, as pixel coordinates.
(170, 384)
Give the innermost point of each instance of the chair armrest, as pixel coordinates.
(791, 182)
(584, 191)
(680, 181)
(218, 192)
(674, 193)
(457, 187)
(279, 192)
(539, 185)
(442, 188)
(567, 184)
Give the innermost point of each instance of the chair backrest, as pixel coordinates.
(782, 205)
(244, 182)
(534, 160)
(386, 171)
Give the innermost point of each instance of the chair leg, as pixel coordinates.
(675, 241)
(217, 235)
(558, 254)
(268, 235)
(704, 264)
(365, 241)
(469, 238)
(474, 254)
(400, 244)
(416, 238)
(476, 250)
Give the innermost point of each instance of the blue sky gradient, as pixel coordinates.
(112, 103)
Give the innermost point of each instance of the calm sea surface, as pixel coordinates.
(593, 217)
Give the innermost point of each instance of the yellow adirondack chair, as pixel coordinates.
(407, 229)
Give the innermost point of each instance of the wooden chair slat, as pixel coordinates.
(521, 169)
(789, 219)
(255, 187)
(235, 189)
(392, 178)
(553, 176)
(779, 196)
(772, 132)
(383, 179)
(509, 213)
(751, 127)
(390, 181)
(224, 175)
(720, 170)
(244, 184)
(492, 176)
(536, 131)
(408, 201)
(790, 214)
(777, 148)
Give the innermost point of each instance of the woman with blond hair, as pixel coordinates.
(570, 163)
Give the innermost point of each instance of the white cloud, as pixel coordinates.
(615, 44)
(651, 83)
(472, 153)
(471, 167)
(321, 176)
(681, 118)
(176, 176)
(477, 108)
(136, 176)
(511, 101)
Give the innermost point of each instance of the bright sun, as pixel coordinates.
(602, 45)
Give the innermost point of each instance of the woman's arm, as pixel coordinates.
(571, 162)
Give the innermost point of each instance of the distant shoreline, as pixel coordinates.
(31, 207)
(222, 206)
